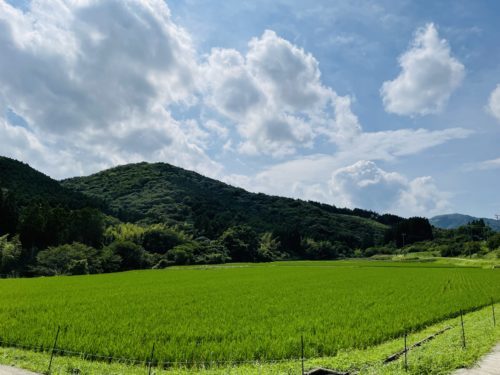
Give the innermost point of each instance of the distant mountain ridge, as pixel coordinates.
(160, 192)
(151, 193)
(452, 221)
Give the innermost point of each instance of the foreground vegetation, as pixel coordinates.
(439, 356)
(239, 312)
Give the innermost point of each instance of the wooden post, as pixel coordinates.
(302, 352)
(53, 349)
(151, 359)
(463, 329)
(406, 353)
(493, 312)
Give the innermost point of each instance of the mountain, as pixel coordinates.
(159, 192)
(28, 185)
(452, 221)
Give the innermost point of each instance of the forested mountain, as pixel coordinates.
(452, 221)
(154, 193)
(28, 184)
(155, 215)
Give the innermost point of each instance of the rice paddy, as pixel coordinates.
(238, 312)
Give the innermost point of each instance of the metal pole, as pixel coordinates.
(493, 311)
(302, 351)
(406, 354)
(53, 349)
(151, 359)
(463, 329)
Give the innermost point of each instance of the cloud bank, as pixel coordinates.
(429, 75)
(85, 85)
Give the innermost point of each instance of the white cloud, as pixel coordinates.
(273, 93)
(494, 103)
(215, 127)
(360, 184)
(428, 77)
(364, 184)
(104, 83)
(483, 165)
(307, 177)
(98, 79)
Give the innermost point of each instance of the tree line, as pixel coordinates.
(43, 239)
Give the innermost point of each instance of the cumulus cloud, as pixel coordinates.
(361, 184)
(99, 79)
(273, 93)
(364, 184)
(429, 75)
(494, 103)
(92, 84)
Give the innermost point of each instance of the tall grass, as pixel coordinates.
(238, 313)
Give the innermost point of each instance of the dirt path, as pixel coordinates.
(488, 365)
(7, 370)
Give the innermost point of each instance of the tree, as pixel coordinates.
(69, 259)
(159, 239)
(268, 248)
(10, 254)
(408, 231)
(87, 226)
(494, 241)
(9, 215)
(319, 250)
(241, 242)
(132, 255)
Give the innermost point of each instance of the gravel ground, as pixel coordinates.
(7, 370)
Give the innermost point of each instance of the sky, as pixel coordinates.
(392, 106)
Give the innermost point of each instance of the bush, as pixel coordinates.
(160, 239)
(494, 241)
(69, 259)
(132, 255)
(319, 250)
(241, 242)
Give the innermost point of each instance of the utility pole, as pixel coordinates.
(403, 235)
(497, 216)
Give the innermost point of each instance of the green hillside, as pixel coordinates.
(28, 185)
(152, 193)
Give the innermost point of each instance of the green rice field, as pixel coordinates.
(239, 312)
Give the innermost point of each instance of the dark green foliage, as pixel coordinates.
(494, 241)
(41, 225)
(10, 255)
(69, 259)
(320, 250)
(160, 239)
(241, 242)
(386, 250)
(28, 184)
(132, 256)
(408, 231)
(161, 193)
(269, 248)
(9, 213)
(476, 230)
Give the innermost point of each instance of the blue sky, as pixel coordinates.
(385, 105)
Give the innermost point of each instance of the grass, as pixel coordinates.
(439, 356)
(242, 312)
